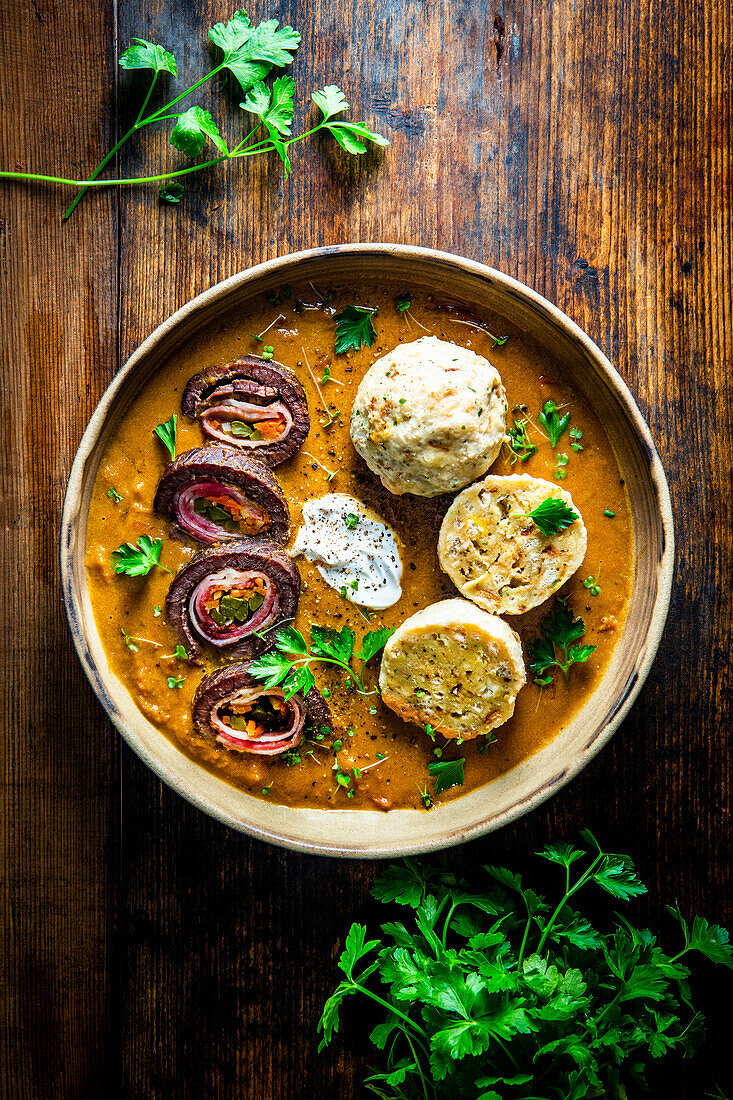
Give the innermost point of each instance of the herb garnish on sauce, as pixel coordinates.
(289, 664)
(138, 560)
(559, 630)
(354, 328)
(166, 433)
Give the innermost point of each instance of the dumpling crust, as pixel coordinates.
(453, 667)
(498, 558)
(429, 417)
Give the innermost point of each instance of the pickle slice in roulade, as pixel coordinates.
(233, 597)
(219, 494)
(255, 404)
(240, 713)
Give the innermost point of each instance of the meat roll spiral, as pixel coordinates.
(228, 595)
(255, 404)
(242, 714)
(218, 494)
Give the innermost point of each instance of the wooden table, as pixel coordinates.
(583, 148)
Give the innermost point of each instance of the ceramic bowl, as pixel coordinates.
(365, 834)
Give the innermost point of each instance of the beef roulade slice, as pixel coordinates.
(220, 494)
(242, 714)
(255, 404)
(233, 597)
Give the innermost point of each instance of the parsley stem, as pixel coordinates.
(423, 1082)
(141, 112)
(391, 1008)
(564, 900)
(105, 160)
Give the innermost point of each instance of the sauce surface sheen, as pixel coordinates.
(392, 756)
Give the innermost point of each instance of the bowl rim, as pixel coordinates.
(573, 332)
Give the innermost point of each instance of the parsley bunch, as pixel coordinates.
(248, 53)
(290, 662)
(492, 992)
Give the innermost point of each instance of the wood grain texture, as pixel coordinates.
(582, 146)
(59, 805)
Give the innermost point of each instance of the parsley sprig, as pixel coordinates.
(554, 649)
(552, 422)
(290, 662)
(520, 444)
(354, 328)
(491, 992)
(552, 515)
(248, 53)
(136, 560)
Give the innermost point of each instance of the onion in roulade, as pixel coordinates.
(232, 595)
(242, 714)
(255, 404)
(218, 494)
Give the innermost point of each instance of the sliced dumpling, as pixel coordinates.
(497, 556)
(453, 667)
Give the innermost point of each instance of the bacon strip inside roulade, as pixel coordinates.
(241, 714)
(229, 596)
(219, 494)
(255, 404)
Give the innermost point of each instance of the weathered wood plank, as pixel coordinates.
(583, 147)
(59, 792)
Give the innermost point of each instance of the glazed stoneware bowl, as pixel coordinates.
(373, 833)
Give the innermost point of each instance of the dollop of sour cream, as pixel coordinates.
(352, 549)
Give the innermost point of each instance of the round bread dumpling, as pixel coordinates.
(429, 417)
(497, 555)
(453, 667)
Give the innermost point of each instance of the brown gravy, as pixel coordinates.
(392, 756)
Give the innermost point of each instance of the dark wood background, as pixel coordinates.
(582, 146)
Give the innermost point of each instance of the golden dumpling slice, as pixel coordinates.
(499, 557)
(453, 667)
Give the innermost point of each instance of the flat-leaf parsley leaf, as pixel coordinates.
(138, 560)
(354, 328)
(167, 433)
(559, 629)
(486, 984)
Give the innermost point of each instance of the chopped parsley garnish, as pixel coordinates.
(290, 662)
(554, 649)
(138, 560)
(609, 513)
(560, 472)
(576, 435)
(552, 423)
(351, 519)
(114, 495)
(447, 773)
(166, 433)
(171, 193)
(354, 329)
(520, 444)
(499, 341)
(490, 990)
(552, 516)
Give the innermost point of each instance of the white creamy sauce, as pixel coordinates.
(359, 556)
